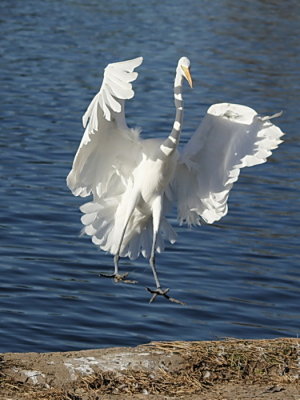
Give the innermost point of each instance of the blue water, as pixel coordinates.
(239, 277)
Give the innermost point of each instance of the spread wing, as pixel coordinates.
(109, 150)
(230, 137)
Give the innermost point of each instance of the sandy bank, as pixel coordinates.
(215, 370)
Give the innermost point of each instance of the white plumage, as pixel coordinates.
(134, 181)
(230, 137)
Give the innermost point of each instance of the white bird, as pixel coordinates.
(135, 181)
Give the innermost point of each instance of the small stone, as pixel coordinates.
(206, 375)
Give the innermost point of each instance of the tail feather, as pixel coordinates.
(101, 224)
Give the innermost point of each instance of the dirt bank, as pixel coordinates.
(227, 370)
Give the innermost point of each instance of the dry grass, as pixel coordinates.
(205, 364)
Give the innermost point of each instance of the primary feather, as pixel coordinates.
(230, 137)
(108, 147)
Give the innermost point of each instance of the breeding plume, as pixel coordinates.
(135, 181)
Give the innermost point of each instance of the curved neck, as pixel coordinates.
(170, 144)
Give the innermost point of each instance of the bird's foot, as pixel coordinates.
(160, 292)
(118, 277)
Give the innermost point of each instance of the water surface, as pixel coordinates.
(239, 277)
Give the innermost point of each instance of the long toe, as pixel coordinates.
(122, 278)
(118, 277)
(105, 275)
(160, 292)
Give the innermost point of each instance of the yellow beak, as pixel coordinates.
(187, 75)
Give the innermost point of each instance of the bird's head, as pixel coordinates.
(184, 68)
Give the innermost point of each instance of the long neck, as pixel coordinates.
(170, 144)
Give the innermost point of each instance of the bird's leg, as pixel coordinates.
(116, 276)
(159, 291)
(116, 272)
(156, 215)
(120, 277)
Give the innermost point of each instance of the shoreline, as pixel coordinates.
(229, 369)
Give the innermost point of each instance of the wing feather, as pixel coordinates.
(108, 147)
(230, 137)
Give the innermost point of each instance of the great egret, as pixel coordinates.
(134, 181)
